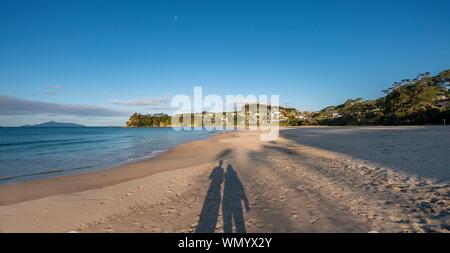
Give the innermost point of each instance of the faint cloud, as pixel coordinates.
(54, 89)
(57, 86)
(16, 106)
(52, 93)
(162, 101)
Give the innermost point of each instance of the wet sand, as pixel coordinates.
(309, 180)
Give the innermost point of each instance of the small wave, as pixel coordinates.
(7, 144)
(152, 154)
(44, 144)
(43, 173)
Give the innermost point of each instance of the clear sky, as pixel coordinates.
(94, 62)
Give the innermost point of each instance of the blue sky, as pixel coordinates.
(94, 62)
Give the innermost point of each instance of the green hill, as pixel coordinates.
(422, 100)
(55, 124)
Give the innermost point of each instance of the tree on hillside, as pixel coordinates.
(416, 102)
(421, 100)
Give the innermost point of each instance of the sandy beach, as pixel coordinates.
(314, 179)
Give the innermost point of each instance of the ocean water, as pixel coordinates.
(34, 153)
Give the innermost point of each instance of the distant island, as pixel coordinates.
(55, 124)
(422, 100)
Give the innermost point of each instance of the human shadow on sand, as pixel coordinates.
(233, 202)
(233, 198)
(210, 210)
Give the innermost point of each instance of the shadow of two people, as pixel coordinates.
(232, 209)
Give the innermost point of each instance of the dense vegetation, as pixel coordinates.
(422, 100)
(149, 120)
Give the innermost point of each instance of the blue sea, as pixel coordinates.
(35, 153)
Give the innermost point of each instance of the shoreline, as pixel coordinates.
(308, 180)
(17, 192)
(73, 172)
